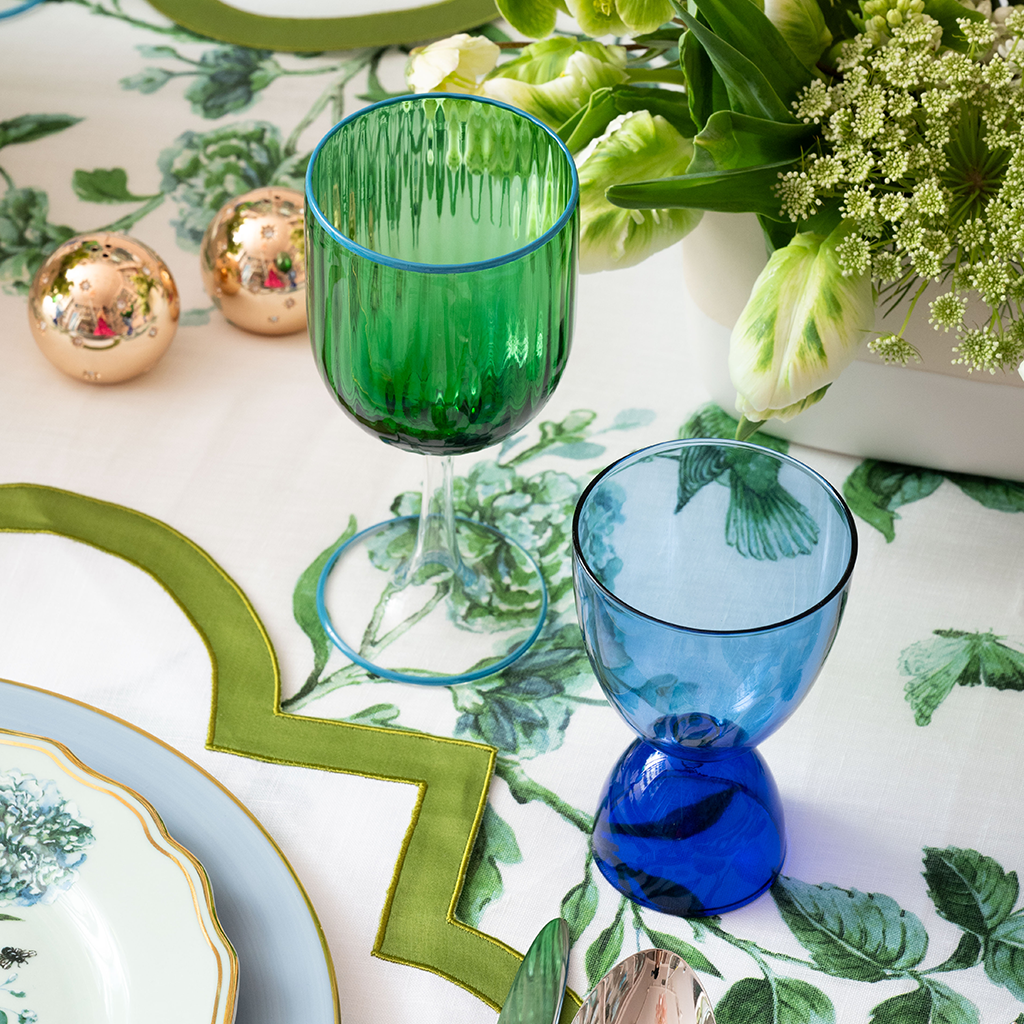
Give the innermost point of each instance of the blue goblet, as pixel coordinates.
(710, 578)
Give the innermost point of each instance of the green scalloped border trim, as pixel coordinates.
(417, 925)
(230, 25)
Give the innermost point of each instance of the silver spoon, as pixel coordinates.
(651, 987)
(539, 985)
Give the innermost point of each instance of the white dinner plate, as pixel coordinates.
(105, 918)
(285, 971)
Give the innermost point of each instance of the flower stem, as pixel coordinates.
(524, 790)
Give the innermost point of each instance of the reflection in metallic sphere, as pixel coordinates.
(103, 308)
(253, 261)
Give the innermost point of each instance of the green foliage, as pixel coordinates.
(26, 237)
(874, 490)
(104, 186)
(495, 844)
(203, 170)
(954, 657)
(775, 1001)
(1000, 495)
(691, 954)
(603, 953)
(304, 604)
(968, 889)
(579, 905)
(229, 78)
(851, 934)
(30, 127)
(1004, 955)
(226, 79)
(930, 1003)
(525, 709)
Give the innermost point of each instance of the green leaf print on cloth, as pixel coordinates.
(26, 235)
(954, 657)
(851, 934)
(227, 79)
(875, 489)
(764, 520)
(203, 170)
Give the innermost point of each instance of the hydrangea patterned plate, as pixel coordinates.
(103, 917)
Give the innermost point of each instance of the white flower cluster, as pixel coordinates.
(42, 837)
(923, 147)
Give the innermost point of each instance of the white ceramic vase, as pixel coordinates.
(928, 414)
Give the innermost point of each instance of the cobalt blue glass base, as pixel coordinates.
(690, 838)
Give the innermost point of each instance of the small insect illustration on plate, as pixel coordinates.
(10, 955)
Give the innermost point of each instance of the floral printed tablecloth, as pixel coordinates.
(901, 773)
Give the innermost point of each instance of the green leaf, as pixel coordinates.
(579, 905)
(1000, 495)
(147, 80)
(874, 490)
(957, 657)
(670, 104)
(9, 917)
(1004, 956)
(159, 52)
(705, 90)
(30, 127)
(589, 121)
(932, 1003)
(693, 956)
(304, 603)
(969, 889)
(747, 190)
(745, 27)
(105, 186)
(966, 955)
(792, 1002)
(729, 141)
(495, 843)
(380, 716)
(533, 18)
(851, 934)
(604, 951)
(750, 90)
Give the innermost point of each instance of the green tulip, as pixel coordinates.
(800, 329)
(801, 24)
(536, 18)
(552, 79)
(454, 64)
(620, 17)
(642, 147)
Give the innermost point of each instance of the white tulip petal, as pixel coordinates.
(801, 327)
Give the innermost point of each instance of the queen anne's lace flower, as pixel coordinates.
(921, 148)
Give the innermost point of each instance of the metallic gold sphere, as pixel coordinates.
(103, 308)
(253, 261)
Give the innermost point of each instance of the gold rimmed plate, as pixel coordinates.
(103, 916)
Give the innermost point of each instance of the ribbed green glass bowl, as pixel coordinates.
(441, 247)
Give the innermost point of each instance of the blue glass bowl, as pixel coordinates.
(710, 581)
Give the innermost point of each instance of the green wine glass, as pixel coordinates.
(442, 234)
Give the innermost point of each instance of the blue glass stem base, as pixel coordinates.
(453, 618)
(689, 838)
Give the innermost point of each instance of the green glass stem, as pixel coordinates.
(436, 541)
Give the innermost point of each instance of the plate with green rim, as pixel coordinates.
(229, 24)
(285, 971)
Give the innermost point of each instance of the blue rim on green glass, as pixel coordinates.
(439, 268)
(442, 240)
